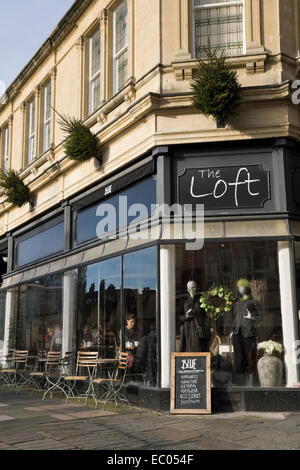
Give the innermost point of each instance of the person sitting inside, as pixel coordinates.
(48, 338)
(56, 341)
(87, 338)
(132, 334)
(132, 337)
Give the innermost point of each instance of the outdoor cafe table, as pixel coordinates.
(108, 365)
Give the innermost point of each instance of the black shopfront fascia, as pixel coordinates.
(30, 235)
(233, 179)
(107, 189)
(251, 178)
(275, 159)
(64, 211)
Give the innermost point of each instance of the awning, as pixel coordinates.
(213, 230)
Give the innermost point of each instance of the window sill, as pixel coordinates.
(37, 162)
(126, 94)
(254, 63)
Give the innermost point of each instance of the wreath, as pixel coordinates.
(217, 301)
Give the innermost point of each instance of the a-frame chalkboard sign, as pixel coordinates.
(190, 383)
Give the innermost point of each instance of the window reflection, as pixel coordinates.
(99, 307)
(297, 280)
(2, 318)
(87, 220)
(140, 336)
(39, 314)
(40, 245)
(100, 311)
(233, 338)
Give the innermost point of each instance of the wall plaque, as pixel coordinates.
(231, 187)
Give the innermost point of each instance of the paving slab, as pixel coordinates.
(6, 418)
(92, 414)
(32, 424)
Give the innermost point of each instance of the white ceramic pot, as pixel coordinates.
(269, 371)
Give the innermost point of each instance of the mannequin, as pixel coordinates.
(246, 313)
(195, 332)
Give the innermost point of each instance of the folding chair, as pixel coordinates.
(86, 361)
(18, 364)
(4, 365)
(51, 362)
(114, 384)
(56, 372)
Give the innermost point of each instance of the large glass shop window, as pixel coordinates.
(40, 245)
(100, 311)
(140, 329)
(228, 303)
(99, 307)
(297, 277)
(39, 313)
(2, 318)
(88, 223)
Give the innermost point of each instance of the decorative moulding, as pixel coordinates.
(254, 63)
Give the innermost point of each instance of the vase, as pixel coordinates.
(269, 371)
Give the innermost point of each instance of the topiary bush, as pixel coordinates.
(80, 143)
(217, 92)
(16, 191)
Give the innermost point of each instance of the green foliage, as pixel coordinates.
(80, 144)
(217, 301)
(217, 91)
(14, 187)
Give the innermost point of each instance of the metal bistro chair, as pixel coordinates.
(18, 361)
(51, 362)
(57, 370)
(5, 363)
(114, 384)
(86, 361)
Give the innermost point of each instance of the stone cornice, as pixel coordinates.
(64, 27)
(49, 166)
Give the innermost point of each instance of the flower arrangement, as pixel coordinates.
(16, 191)
(217, 91)
(269, 347)
(217, 301)
(80, 144)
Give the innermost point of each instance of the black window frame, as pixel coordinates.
(105, 198)
(31, 233)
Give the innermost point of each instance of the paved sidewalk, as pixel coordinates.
(27, 422)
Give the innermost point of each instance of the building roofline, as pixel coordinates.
(63, 27)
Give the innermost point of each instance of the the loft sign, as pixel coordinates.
(231, 187)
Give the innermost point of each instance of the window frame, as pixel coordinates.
(5, 146)
(92, 78)
(31, 131)
(31, 232)
(207, 6)
(117, 55)
(46, 127)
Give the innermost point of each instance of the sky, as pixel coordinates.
(24, 26)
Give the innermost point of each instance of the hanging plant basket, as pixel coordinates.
(16, 191)
(80, 144)
(217, 92)
(217, 301)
